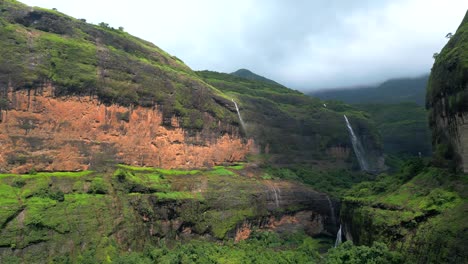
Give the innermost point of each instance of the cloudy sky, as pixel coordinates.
(304, 44)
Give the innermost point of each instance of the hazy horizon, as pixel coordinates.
(305, 45)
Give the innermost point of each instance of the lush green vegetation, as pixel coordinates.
(403, 127)
(332, 181)
(421, 211)
(290, 125)
(41, 46)
(246, 74)
(447, 98)
(396, 107)
(262, 247)
(75, 216)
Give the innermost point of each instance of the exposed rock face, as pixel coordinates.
(279, 206)
(447, 100)
(44, 132)
(51, 214)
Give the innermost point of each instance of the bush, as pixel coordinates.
(377, 254)
(98, 186)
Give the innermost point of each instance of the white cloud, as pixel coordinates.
(304, 44)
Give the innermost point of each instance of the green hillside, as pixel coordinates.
(45, 46)
(281, 204)
(397, 109)
(286, 122)
(403, 127)
(392, 91)
(246, 74)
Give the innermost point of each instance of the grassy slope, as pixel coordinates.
(404, 127)
(246, 74)
(287, 122)
(40, 46)
(396, 107)
(79, 216)
(420, 212)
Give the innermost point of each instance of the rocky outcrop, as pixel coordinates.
(42, 132)
(447, 101)
(225, 212)
(55, 214)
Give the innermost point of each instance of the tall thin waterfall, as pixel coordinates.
(338, 237)
(357, 147)
(240, 117)
(277, 194)
(332, 210)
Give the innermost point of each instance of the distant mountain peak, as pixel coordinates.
(247, 74)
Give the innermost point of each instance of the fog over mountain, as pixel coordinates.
(303, 44)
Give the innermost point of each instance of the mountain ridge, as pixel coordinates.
(247, 74)
(396, 90)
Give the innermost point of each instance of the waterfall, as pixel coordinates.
(277, 197)
(276, 193)
(338, 237)
(332, 210)
(240, 117)
(357, 147)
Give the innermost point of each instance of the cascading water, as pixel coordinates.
(338, 237)
(240, 117)
(357, 147)
(275, 192)
(332, 211)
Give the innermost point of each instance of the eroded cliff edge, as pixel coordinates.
(447, 101)
(63, 213)
(47, 133)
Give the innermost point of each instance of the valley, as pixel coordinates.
(114, 151)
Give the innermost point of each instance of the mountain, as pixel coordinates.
(139, 105)
(389, 92)
(113, 151)
(403, 127)
(244, 73)
(397, 109)
(422, 209)
(109, 145)
(74, 95)
(293, 127)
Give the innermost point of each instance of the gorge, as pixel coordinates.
(114, 151)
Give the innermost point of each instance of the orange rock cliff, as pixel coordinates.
(49, 133)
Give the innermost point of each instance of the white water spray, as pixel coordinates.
(338, 237)
(240, 117)
(357, 147)
(277, 194)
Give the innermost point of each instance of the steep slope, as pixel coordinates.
(81, 90)
(422, 211)
(403, 127)
(66, 217)
(447, 101)
(392, 91)
(244, 73)
(293, 127)
(396, 107)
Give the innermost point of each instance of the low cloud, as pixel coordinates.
(303, 44)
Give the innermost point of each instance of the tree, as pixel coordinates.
(449, 35)
(104, 25)
(435, 55)
(121, 28)
(348, 253)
